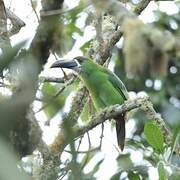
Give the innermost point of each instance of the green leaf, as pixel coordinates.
(116, 176)
(97, 166)
(54, 103)
(9, 55)
(72, 28)
(133, 176)
(95, 169)
(125, 162)
(161, 171)
(154, 136)
(85, 46)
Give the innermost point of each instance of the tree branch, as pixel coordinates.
(113, 111)
(56, 80)
(117, 10)
(59, 143)
(4, 37)
(16, 22)
(141, 6)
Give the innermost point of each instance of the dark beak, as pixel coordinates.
(70, 64)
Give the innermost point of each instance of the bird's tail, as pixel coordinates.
(120, 130)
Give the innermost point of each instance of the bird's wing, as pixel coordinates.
(118, 84)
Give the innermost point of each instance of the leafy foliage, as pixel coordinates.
(154, 136)
(55, 103)
(161, 171)
(164, 91)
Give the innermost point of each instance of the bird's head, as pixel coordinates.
(74, 64)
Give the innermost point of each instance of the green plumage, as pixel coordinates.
(105, 88)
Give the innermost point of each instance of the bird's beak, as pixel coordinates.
(70, 64)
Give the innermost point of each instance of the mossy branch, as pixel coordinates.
(111, 112)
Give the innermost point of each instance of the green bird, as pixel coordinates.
(105, 88)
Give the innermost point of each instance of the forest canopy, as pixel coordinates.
(50, 126)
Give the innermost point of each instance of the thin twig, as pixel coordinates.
(102, 135)
(89, 140)
(79, 143)
(57, 79)
(32, 5)
(85, 152)
(87, 155)
(53, 79)
(174, 147)
(62, 11)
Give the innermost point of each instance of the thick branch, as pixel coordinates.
(4, 38)
(113, 111)
(44, 39)
(71, 119)
(16, 22)
(109, 113)
(50, 167)
(121, 13)
(142, 103)
(141, 6)
(21, 125)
